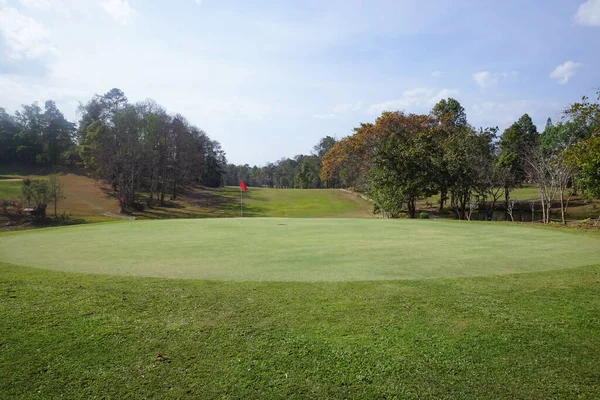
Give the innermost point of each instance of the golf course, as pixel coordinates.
(300, 308)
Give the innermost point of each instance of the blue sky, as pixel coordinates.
(269, 78)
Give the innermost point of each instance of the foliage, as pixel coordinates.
(348, 162)
(302, 171)
(516, 140)
(139, 147)
(35, 136)
(423, 215)
(586, 156)
(36, 192)
(401, 168)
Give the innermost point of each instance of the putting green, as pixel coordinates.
(273, 249)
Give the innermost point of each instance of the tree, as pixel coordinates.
(402, 166)
(551, 174)
(449, 113)
(515, 142)
(347, 163)
(450, 117)
(56, 189)
(324, 145)
(465, 153)
(36, 192)
(586, 157)
(9, 128)
(58, 133)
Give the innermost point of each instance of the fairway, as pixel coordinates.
(272, 249)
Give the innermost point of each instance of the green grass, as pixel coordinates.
(10, 190)
(95, 336)
(263, 202)
(272, 249)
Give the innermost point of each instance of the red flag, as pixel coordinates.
(243, 186)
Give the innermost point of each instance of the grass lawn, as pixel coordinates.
(525, 323)
(97, 336)
(10, 189)
(264, 202)
(273, 249)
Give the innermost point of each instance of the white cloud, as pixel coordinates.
(436, 73)
(26, 37)
(485, 79)
(589, 13)
(324, 116)
(414, 98)
(199, 2)
(565, 71)
(119, 10)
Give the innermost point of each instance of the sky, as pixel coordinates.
(269, 78)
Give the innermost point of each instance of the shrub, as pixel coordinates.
(4, 205)
(423, 215)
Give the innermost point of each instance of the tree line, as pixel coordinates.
(300, 172)
(136, 147)
(403, 157)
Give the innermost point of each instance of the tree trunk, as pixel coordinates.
(506, 197)
(411, 207)
(443, 195)
(543, 208)
(563, 216)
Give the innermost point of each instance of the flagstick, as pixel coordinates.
(241, 203)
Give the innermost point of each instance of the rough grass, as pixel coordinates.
(301, 249)
(91, 336)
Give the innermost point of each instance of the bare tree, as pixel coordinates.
(56, 191)
(473, 206)
(510, 208)
(541, 166)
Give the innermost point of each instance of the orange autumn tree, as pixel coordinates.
(348, 163)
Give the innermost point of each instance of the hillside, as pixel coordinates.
(90, 200)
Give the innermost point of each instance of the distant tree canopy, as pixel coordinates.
(302, 171)
(34, 135)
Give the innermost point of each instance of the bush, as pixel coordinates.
(423, 215)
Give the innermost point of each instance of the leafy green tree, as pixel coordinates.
(564, 134)
(462, 153)
(324, 145)
(58, 133)
(402, 169)
(9, 128)
(450, 117)
(586, 156)
(516, 141)
(449, 113)
(37, 192)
